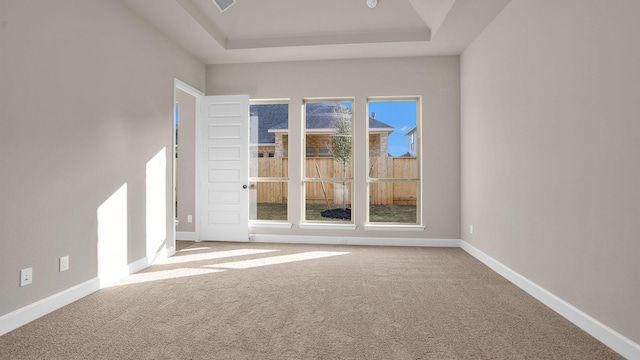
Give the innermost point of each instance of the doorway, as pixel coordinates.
(185, 203)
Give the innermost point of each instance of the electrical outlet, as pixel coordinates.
(470, 229)
(64, 263)
(189, 218)
(26, 276)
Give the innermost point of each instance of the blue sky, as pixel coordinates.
(399, 114)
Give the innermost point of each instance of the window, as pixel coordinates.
(393, 180)
(311, 152)
(324, 152)
(269, 166)
(328, 179)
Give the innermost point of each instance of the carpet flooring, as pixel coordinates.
(277, 301)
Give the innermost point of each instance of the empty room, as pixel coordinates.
(347, 179)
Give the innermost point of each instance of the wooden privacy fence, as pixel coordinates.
(272, 192)
(382, 193)
(396, 193)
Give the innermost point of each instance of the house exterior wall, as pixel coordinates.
(267, 150)
(383, 145)
(436, 79)
(318, 141)
(411, 138)
(374, 145)
(379, 144)
(282, 141)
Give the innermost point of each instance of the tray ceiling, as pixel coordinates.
(262, 30)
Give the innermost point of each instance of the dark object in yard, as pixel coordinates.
(344, 214)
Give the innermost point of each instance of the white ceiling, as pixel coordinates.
(282, 30)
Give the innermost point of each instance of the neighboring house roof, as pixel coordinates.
(270, 116)
(410, 131)
(273, 118)
(379, 125)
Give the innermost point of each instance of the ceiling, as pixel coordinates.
(283, 30)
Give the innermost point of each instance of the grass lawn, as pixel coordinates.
(404, 214)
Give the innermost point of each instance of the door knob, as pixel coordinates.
(244, 186)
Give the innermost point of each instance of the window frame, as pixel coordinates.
(417, 143)
(283, 179)
(317, 224)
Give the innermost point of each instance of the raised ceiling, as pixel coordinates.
(282, 30)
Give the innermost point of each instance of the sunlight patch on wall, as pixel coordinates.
(112, 237)
(156, 203)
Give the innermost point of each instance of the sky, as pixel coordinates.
(399, 114)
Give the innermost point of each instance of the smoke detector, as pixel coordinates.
(224, 4)
(372, 3)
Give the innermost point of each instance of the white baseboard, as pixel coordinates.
(186, 235)
(595, 328)
(603, 333)
(347, 240)
(112, 275)
(147, 261)
(25, 315)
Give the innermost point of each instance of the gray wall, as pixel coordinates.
(550, 151)
(186, 162)
(86, 92)
(436, 79)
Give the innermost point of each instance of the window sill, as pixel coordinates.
(320, 226)
(270, 224)
(390, 227)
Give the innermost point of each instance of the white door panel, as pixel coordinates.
(224, 168)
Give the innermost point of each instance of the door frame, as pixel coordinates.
(183, 86)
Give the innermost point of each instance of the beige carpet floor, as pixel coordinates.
(241, 301)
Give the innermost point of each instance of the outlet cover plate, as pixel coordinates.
(26, 276)
(64, 263)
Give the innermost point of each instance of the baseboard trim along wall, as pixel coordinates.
(603, 333)
(345, 240)
(595, 328)
(145, 262)
(27, 314)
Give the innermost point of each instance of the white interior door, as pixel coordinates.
(224, 168)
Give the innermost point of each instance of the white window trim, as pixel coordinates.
(398, 227)
(306, 224)
(393, 227)
(328, 225)
(274, 224)
(270, 224)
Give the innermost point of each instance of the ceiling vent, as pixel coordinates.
(224, 4)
